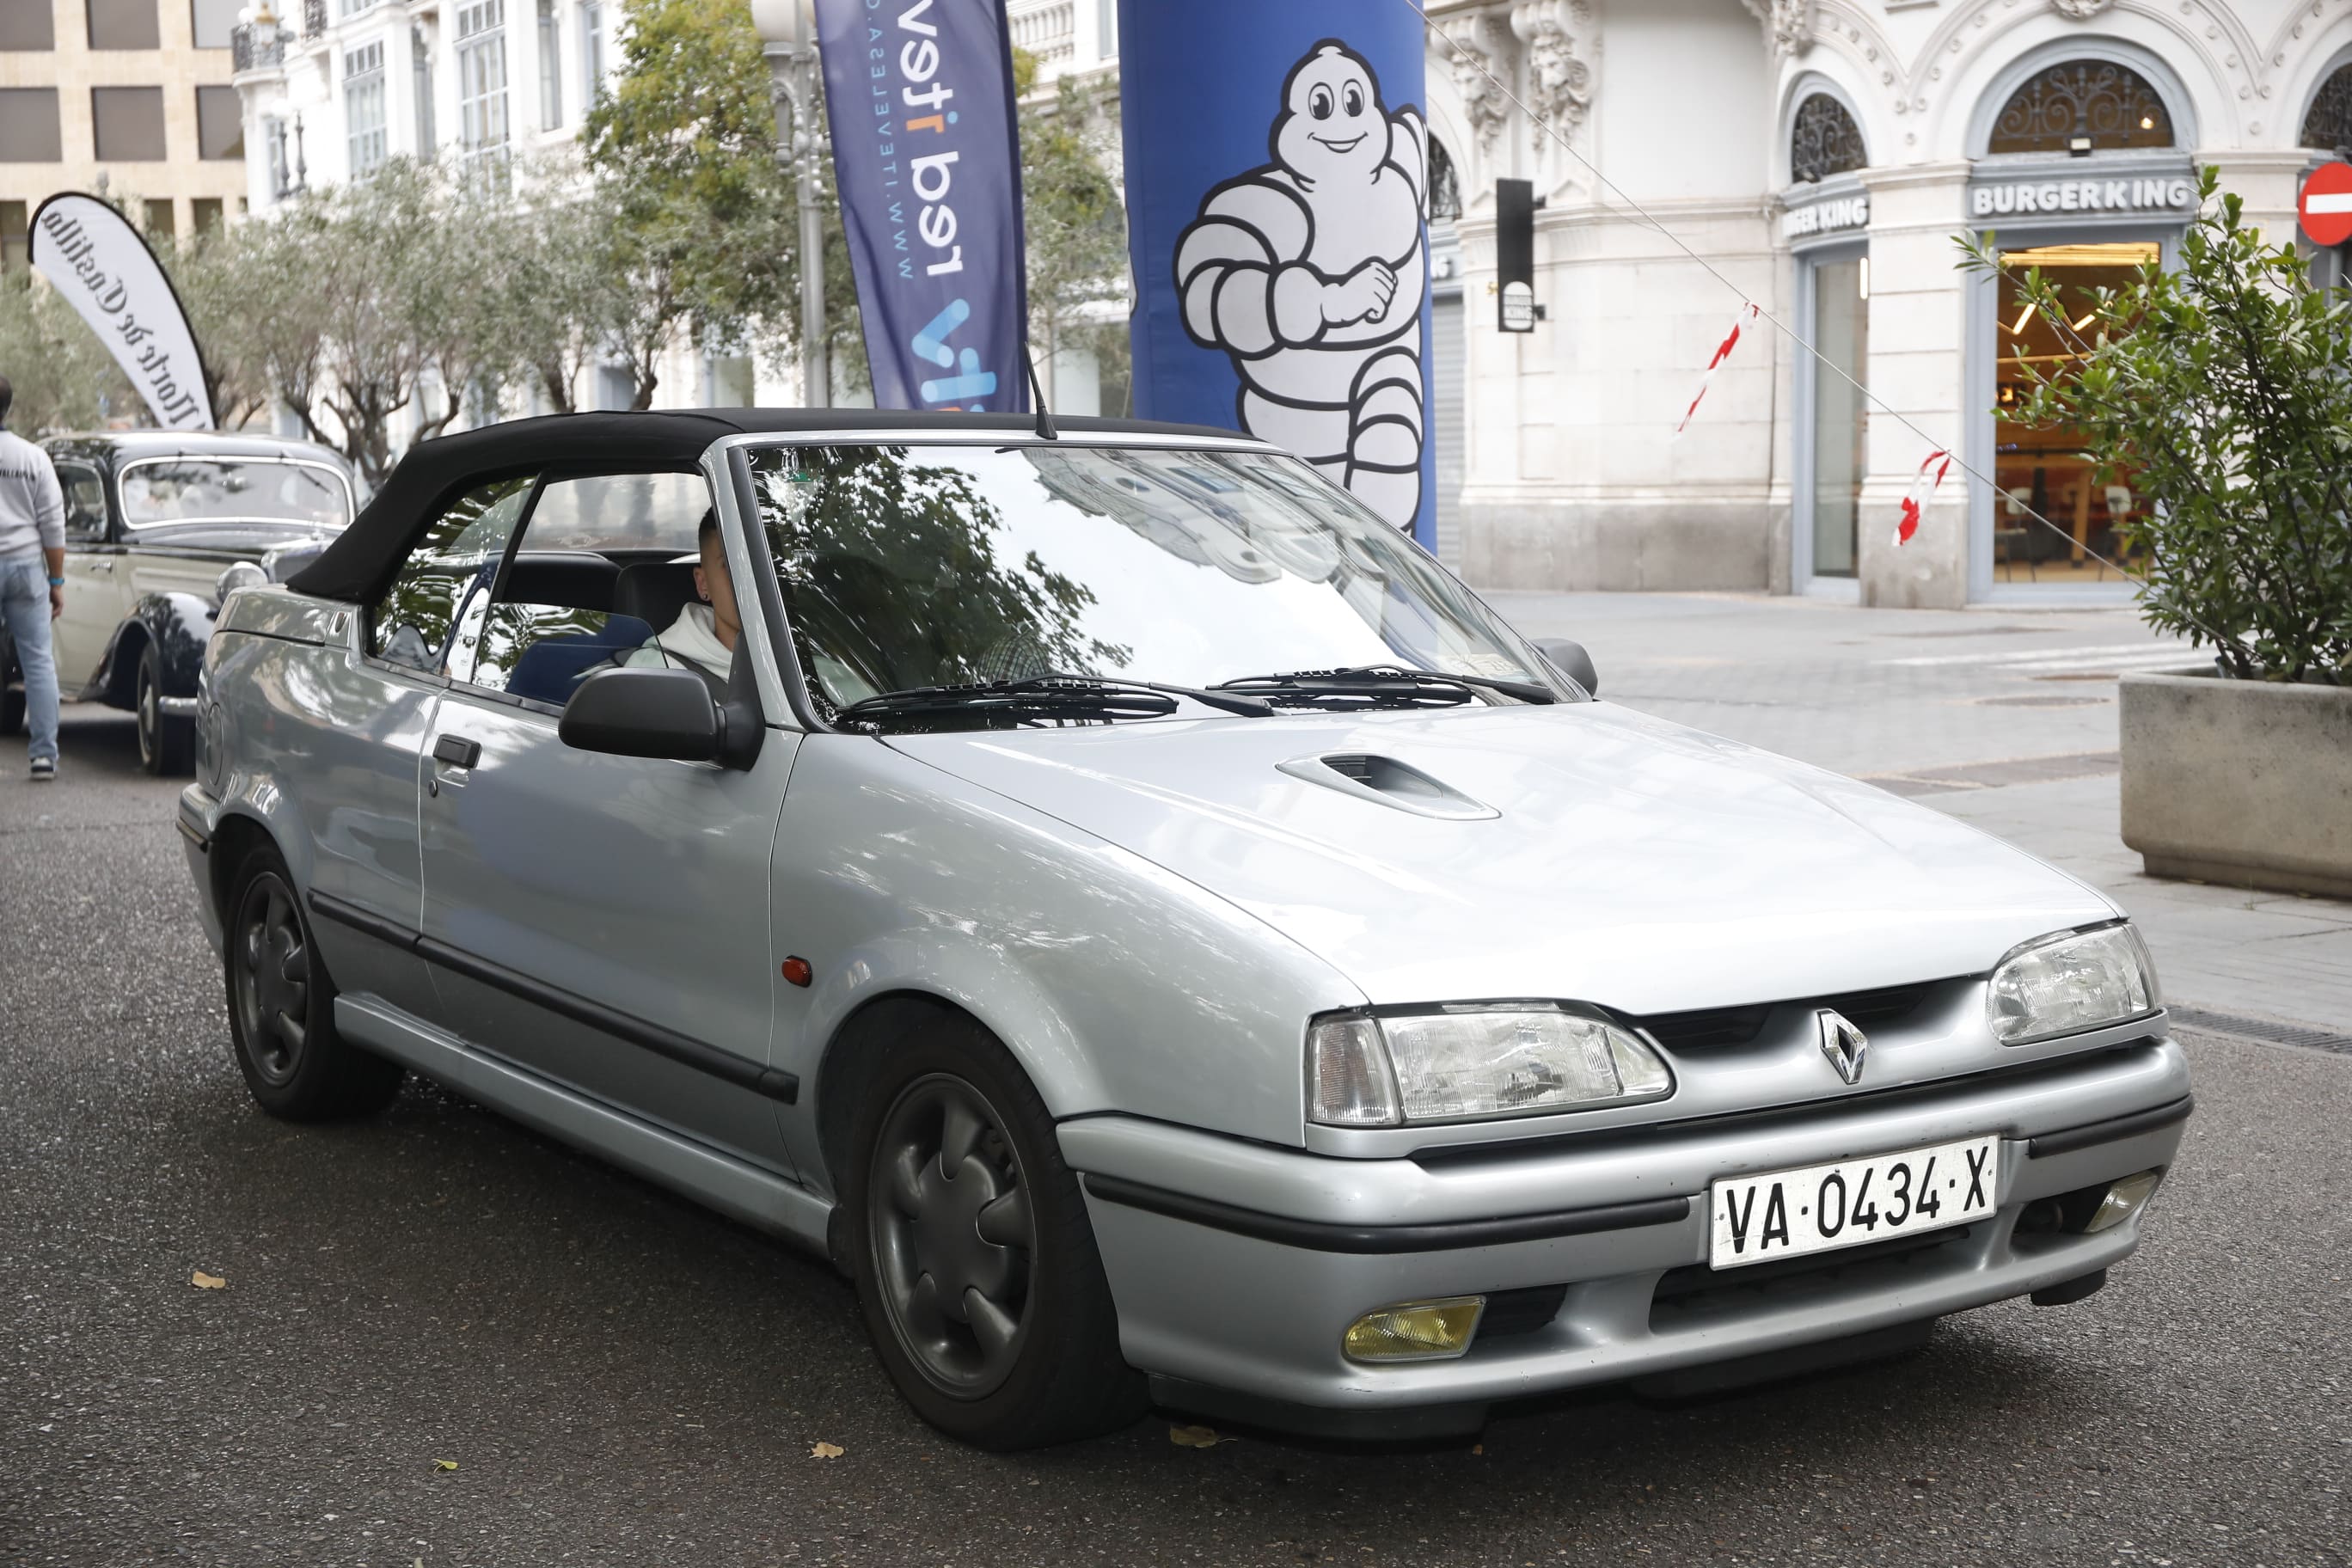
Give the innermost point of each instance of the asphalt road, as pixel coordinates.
(617, 1377)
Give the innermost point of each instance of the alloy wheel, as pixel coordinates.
(953, 1236)
(273, 978)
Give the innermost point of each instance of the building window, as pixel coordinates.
(1841, 306)
(551, 68)
(728, 381)
(1826, 141)
(615, 387)
(2082, 107)
(355, 7)
(125, 25)
(363, 105)
(28, 125)
(1445, 185)
(592, 51)
(205, 216)
(16, 237)
(209, 22)
(129, 122)
(420, 77)
(220, 123)
(2329, 124)
(1107, 30)
(27, 27)
(482, 79)
(158, 222)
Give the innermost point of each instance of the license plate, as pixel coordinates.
(1788, 1214)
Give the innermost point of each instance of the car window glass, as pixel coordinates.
(191, 489)
(85, 495)
(554, 619)
(411, 624)
(909, 566)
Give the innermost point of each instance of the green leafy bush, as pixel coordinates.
(2221, 389)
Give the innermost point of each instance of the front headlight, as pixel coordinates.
(1464, 1062)
(2068, 981)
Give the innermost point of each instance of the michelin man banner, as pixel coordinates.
(1276, 158)
(91, 254)
(927, 158)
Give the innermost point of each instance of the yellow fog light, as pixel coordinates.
(1415, 1330)
(2125, 1198)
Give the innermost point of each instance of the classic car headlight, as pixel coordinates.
(1458, 1063)
(2068, 981)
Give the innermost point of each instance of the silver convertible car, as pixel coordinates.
(1149, 923)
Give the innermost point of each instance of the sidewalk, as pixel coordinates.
(2004, 718)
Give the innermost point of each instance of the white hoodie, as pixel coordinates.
(693, 637)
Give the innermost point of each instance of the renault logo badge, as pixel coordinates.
(1845, 1045)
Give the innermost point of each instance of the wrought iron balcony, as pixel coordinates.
(254, 47)
(314, 17)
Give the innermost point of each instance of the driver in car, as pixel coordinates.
(703, 637)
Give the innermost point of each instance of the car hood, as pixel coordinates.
(1614, 859)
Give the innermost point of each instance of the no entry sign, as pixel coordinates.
(2326, 204)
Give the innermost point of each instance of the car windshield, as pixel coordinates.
(912, 566)
(221, 489)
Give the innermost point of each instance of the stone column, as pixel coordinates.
(1918, 369)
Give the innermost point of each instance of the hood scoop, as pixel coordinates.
(1384, 781)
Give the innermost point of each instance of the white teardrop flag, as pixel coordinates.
(91, 254)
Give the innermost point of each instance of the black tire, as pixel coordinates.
(281, 1006)
(12, 693)
(165, 743)
(1035, 1360)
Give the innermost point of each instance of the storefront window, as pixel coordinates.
(1842, 334)
(2041, 468)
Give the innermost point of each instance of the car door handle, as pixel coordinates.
(456, 751)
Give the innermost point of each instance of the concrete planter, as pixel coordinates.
(2243, 783)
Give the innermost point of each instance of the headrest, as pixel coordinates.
(653, 591)
(576, 579)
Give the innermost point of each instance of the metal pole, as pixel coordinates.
(808, 146)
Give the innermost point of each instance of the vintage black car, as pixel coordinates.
(154, 518)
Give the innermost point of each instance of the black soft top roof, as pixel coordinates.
(362, 563)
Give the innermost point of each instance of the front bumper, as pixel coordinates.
(1236, 1268)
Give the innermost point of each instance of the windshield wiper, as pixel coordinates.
(1044, 698)
(1382, 685)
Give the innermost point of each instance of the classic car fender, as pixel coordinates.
(178, 626)
(1116, 984)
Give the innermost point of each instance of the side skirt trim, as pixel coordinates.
(757, 1197)
(668, 1044)
(1319, 1236)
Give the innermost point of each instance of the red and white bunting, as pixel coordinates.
(1747, 313)
(1924, 484)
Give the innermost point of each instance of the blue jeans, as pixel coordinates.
(24, 610)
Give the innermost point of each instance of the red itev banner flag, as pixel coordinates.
(926, 156)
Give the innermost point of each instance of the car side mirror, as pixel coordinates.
(1571, 660)
(664, 714)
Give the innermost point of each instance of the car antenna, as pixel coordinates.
(1046, 431)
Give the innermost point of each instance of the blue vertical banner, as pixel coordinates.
(926, 154)
(1276, 162)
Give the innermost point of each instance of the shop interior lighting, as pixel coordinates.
(2023, 316)
(1863, 286)
(2085, 320)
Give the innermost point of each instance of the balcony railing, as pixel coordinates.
(256, 47)
(1047, 31)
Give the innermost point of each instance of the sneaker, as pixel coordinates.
(44, 769)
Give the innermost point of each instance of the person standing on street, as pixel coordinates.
(32, 547)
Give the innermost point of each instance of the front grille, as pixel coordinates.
(1721, 1028)
(1519, 1311)
(1687, 1295)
